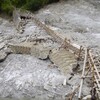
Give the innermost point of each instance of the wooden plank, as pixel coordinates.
(83, 72)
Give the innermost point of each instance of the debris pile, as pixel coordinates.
(39, 62)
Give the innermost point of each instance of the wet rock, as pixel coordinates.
(88, 97)
(3, 55)
(74, 81)
(75, 67)
(8, 51)
(86, 90)
(24, 75)
(1, 39)
(2, 45)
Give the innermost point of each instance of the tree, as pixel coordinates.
(32, 5)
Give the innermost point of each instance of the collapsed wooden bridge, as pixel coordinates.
(81, 53)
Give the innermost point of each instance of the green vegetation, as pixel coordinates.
(7, 6)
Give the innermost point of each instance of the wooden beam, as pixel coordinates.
(92, 61)
(97, 81)
(83, 72)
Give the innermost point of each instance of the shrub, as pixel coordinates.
(32, 5)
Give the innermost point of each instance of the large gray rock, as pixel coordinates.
(25, 75)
